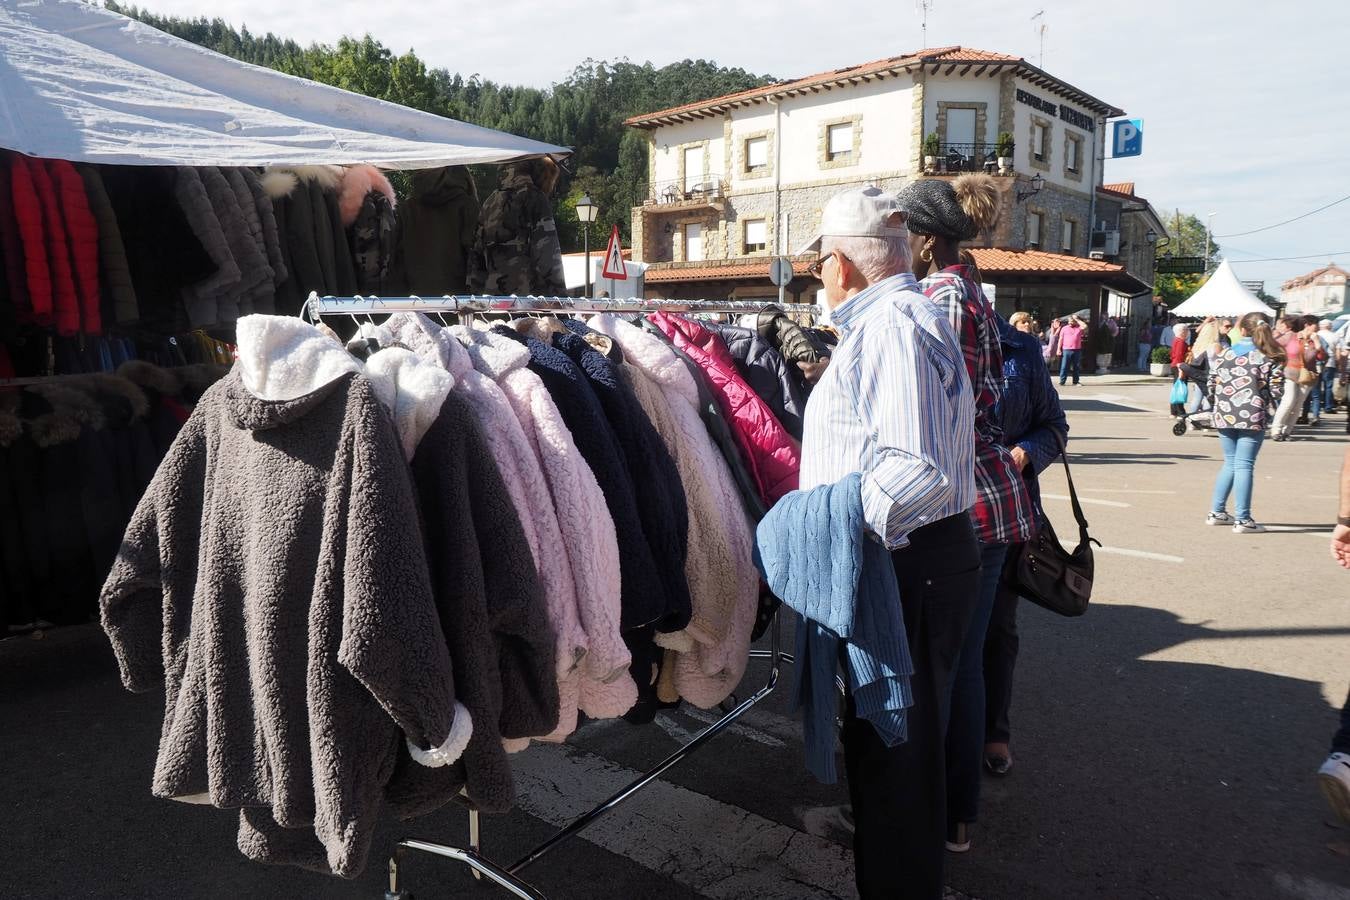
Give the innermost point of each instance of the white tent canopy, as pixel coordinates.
(81, 83)
(1221, 295)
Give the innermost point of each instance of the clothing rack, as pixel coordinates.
(466, 307)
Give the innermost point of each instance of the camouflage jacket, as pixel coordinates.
(517, 249)
(372, 238)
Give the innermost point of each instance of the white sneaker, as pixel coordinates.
(1247, 526)
(1218, 518)
(1334, 779)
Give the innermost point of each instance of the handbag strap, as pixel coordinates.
(1083, 536)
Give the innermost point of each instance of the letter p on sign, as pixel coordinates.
(1128, 138)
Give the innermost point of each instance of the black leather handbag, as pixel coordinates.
(1042, 571)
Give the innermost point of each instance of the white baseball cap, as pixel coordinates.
(861, 212)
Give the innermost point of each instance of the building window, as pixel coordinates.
(841, 142)
(1067, 229)
(1034, 230)
(693, 242)
(1039, 138)
(1073, 153)
(693, 168)
(756, 235)
(757, 155)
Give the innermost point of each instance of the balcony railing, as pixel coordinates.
(978, 157)
(683, 190)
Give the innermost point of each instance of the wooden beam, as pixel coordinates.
(950, 69)
(966, 69)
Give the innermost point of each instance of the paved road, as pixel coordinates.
(1164, 743)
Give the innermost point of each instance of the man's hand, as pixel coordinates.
(1340, 546)
(812, 371)
(1020, 457)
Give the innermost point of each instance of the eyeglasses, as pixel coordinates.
(818, 266)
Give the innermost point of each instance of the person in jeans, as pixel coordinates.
(1034, 430)
(1071, 348)
(1334, 776)
(941, 216)
(1145, 345)
(1244, 387)
(895, 405)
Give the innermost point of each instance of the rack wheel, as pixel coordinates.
(398, 895)
(1179, 429)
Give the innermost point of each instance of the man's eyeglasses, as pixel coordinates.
(815, 268)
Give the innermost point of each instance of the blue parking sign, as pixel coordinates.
(1128, 138)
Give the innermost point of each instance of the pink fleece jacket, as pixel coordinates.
(725, 605)
(520, 471)
(770, 453)
(602, 688)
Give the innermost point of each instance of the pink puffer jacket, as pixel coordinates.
(770, 454)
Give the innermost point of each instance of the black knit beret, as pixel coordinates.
(934, 211)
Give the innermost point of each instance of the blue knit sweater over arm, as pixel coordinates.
(813, 551)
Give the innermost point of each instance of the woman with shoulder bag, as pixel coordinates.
(1244, 386)
(1034, 430)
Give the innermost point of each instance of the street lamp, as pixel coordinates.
(586, 213)
(1037, 183)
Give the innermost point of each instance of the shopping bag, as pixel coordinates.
(1180, 391)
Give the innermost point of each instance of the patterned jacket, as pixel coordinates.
(1244, 387)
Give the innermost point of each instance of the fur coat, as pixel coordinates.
(279, 538)
(262, 298)
(366, 203)
(603, 688)
(202, 298)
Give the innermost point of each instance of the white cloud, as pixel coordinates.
(1243, 110)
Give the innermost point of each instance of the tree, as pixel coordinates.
(1188, 239)
(585, 111)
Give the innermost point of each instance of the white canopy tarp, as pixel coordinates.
(81, 83)
(1221, 295)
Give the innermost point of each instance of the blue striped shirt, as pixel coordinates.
(894, 405)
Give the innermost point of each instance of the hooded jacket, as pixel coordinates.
(644, 597)
(262, 297)
(119, 292)
(435, 233)
(516, 250)
(769, 452)
(39, 213)
(524, 481)
(662, 507)
(285, 508)
(722, 578)
(488, 597)
(603, 688)
(271, 234)
(766, 371)
(305, 197)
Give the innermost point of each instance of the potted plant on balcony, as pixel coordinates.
(1003, 146)
(1160, 361)
(932, 152)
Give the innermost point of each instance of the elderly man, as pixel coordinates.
(895, 406)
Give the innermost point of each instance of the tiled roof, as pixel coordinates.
(1120, 187)
(599, 252)
(1301, 280)
(718, 270)
(993, 260)
(950, 56)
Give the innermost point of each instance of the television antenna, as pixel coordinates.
(1040, 30)
(923, 7)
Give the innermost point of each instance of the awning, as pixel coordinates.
(1028, 267)
(1222, 295)
(81, 83)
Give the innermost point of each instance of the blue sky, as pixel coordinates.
(1246, 107)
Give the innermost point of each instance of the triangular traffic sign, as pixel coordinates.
(614, 267)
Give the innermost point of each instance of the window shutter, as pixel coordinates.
(841, 138)
(756, 153)
(757, 232)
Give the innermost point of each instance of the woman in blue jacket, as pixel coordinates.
(1034, 429)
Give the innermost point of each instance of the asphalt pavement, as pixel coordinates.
(1164, 744)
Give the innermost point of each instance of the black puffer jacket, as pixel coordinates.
(766, 371)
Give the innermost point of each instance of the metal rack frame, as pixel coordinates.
(466, 307)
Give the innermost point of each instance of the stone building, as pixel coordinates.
(736, 180)
(1319, 293)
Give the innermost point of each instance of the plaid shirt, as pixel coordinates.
(1003, 512)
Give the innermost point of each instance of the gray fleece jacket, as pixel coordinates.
(273, 577)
